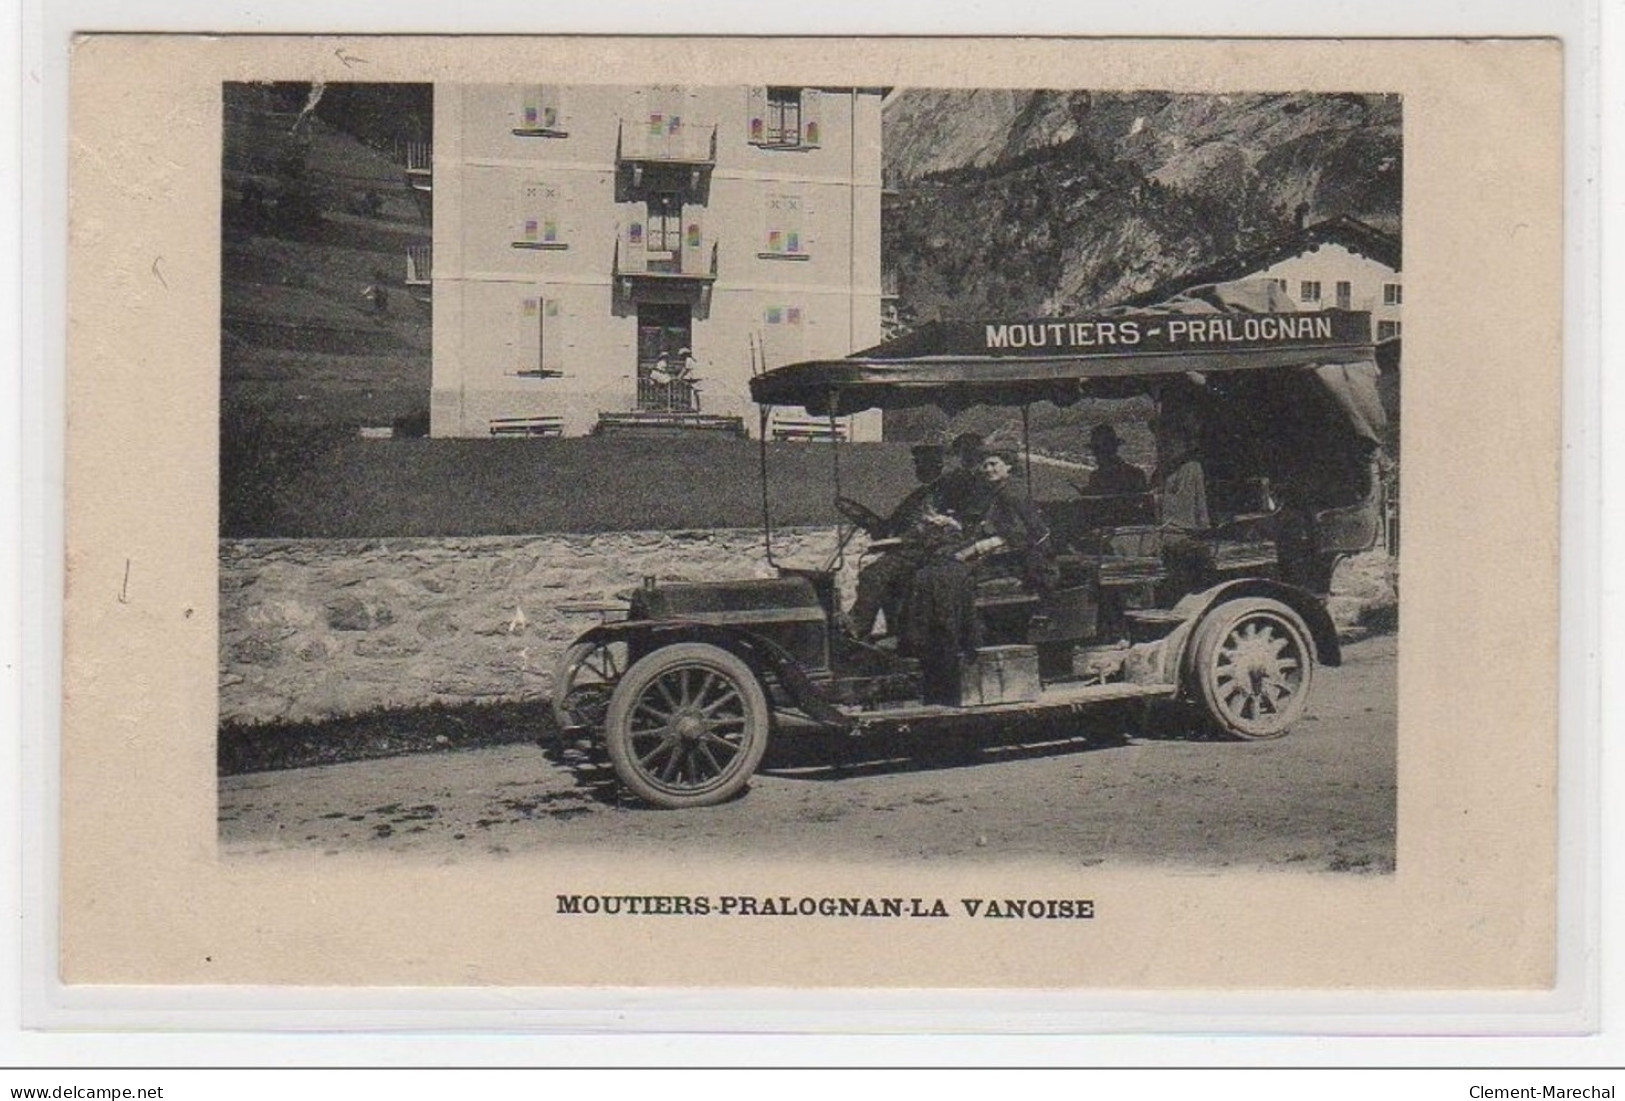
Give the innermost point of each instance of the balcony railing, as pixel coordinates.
(684, 144)
(688, 263)
(674, 396)
(419, 265)
(418, 159)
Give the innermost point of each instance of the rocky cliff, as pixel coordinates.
(1045, 202)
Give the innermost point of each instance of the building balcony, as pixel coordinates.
(682, 275)
(680, 158)
(417, 157)
(419, 265)
(689, 264)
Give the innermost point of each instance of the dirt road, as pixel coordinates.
(1322, 798)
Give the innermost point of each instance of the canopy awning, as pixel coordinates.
(955, 364)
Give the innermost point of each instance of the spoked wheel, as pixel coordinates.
(1255, 661)
(591, 672)
(687, 726)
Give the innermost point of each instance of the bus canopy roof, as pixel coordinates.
(1223, 328)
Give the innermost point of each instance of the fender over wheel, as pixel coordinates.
(687, 726)
(586, 679)
(1253, 667)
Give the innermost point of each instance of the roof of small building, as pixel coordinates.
(1351, 233)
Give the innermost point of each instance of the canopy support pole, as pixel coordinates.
(767, 508)
(835, 460)
(1027, 447)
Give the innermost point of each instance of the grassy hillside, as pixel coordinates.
(330, 485)
(311, 218)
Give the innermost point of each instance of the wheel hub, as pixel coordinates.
(689, 725)
(1257, 660)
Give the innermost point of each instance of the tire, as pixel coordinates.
(1253, 668)
(687, 726)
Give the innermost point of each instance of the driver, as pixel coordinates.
(883, 583)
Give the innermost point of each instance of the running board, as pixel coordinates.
(1057, 699)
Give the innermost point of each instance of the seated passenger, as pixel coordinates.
(1182, 511)
(883, 583)
(962, 492)
(943, 628)
(1118, 492)
(1113, 477)
(1009, 524)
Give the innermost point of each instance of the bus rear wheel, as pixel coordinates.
(1254, 665)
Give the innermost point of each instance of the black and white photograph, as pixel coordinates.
(663, 513)
(941, 476)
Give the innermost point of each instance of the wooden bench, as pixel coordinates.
(659, 422)
(808, 430)
(527, 426)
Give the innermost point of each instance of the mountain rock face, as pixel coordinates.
(1048, 202)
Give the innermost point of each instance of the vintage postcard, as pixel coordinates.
(744, 512)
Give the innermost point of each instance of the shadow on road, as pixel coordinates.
(804, 752)
(812, 754)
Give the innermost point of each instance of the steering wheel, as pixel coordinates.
(860, 514)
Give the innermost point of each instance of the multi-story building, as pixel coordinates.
(1340, 263)
(625, 256)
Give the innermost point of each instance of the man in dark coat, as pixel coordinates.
(962, 492)
(944, 629)
(1008, 525)
(1113, 477)
(883, 583)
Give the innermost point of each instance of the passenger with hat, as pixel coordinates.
(1009, 523)
(962, 493)
(943, 628)
(883, 583)
(1113, 477)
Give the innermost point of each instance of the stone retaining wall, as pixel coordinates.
(314, 628)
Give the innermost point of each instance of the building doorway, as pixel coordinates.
(665, 378)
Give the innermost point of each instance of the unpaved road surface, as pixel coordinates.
(1322, 798)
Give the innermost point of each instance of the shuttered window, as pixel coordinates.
(785, 118)
(536, 343)
(784, 230)
(538, 217)
(539, 112)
